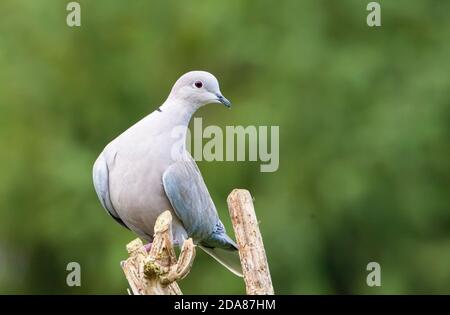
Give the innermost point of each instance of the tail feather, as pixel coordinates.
(227, 258)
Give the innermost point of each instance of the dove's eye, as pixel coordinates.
(198, 84)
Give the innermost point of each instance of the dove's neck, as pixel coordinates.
(177, 113)
(174, 117)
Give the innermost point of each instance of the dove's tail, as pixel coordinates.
(228, 258)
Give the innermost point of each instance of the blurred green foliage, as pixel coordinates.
(364, 136)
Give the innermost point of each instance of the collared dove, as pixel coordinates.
(145, 171)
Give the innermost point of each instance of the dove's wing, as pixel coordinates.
(100, 176)
(190, 199)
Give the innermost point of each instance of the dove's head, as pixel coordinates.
(198, 88)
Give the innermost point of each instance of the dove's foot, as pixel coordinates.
(148, 247)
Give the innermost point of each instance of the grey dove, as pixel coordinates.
(147, 170)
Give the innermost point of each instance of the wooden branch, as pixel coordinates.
(156, 273)
(251, 248)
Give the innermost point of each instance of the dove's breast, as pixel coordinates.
(136, 165)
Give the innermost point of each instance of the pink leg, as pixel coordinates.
(148, 247)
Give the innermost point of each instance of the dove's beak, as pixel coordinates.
(223, 100)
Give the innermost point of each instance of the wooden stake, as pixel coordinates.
(251, 248)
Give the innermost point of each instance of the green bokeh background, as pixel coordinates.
(364, 136)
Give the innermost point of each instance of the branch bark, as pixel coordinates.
(251, 248)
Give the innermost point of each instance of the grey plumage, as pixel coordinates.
(101, 184)
(147, 170)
